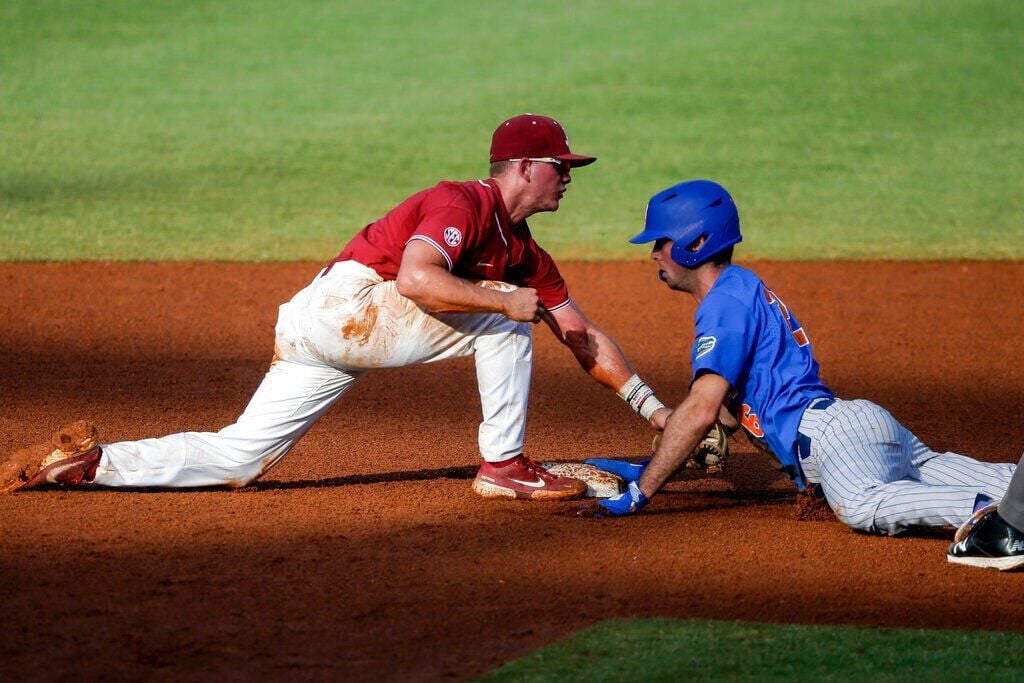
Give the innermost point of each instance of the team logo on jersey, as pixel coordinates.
(750, 421)
(452, 236)
(704, 345)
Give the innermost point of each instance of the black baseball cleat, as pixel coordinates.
(987, 540)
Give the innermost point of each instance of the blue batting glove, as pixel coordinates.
(628, 503)
(620, 468)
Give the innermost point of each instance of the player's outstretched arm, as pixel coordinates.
(686, 427)
(596, 352)
(424, 278)
(602, 358)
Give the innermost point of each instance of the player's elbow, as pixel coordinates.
(579, 341)
(703, 413)
(411, 283)
(708, 419)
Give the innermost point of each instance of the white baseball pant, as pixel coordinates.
(345, 323)
(878, 477)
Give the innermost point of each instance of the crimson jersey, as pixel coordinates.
(468, 223)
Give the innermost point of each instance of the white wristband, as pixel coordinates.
(640, 397)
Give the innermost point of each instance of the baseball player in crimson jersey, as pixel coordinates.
(752, 359)
(452, 271)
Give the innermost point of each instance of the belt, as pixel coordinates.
(803, 442)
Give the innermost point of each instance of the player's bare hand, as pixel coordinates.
(523, 305)
(660, 417)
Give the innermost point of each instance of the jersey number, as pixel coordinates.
(751, 422)
(798, 332)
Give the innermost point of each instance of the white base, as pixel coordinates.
(600, 484)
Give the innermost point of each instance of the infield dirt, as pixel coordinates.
(364, 554)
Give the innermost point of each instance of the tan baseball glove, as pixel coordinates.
(711, 454)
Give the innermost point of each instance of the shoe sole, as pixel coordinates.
(488, 490)
(1003, 564)
(12, 487)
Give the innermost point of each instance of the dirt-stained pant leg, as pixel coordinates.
(328, 336)
(291, 398)
(380, 328)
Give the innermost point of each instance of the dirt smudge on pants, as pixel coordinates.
(361, 329)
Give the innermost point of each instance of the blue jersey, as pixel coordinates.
(748, 336)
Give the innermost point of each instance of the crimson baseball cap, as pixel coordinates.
(531, 136)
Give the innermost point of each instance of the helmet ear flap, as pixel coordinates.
(682, 253)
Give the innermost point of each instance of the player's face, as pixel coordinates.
(548, 183)
(671, 273)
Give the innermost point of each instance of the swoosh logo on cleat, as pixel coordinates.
(53, 476)
(532, 484)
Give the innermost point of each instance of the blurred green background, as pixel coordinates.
(674, 650)
(275, 130)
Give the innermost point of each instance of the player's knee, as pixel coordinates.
(866, 519)
(247, 471)
(244, 460)
(857, 521)
(242, 480)
(853, 513)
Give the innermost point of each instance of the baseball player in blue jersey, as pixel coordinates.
(753, 364)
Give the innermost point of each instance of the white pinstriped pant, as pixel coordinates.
(328, 336)
(878, 477)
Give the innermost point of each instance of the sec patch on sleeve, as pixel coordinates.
(452, 236)
(705, 345)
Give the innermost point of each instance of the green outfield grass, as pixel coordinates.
(662, 650)
(274, 130)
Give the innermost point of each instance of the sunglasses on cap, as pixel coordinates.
(562, 166)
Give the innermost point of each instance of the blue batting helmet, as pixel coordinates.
(688, 211)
